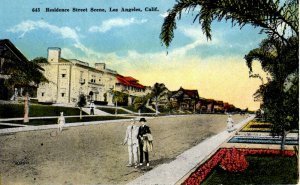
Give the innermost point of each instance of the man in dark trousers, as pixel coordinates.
(143, 130)
(92, 108)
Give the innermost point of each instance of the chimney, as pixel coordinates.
(53, 54)
(100, 66)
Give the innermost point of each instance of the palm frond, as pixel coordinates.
(169, 25)
(266, 14)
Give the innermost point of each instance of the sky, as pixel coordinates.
(129, 43)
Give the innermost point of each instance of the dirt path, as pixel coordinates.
(93, 154)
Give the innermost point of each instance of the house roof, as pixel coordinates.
(129, 81)
(191, 93)
(186, 93)
(7, 48)
(11, 54)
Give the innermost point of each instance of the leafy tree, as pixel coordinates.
(170, 106)
(270, 15)
(119, 97)
(81, 103)
(140, 102)
(39, 60)
(158, 90)
(24, 74)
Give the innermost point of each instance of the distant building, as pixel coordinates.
(186, 99)
(214, 106)
(71, 77)
(131, 86)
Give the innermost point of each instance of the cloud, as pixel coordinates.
(198, 39)
(218, 77)
(193, 33)
(164, 15)
(116, 22)
(29, 25)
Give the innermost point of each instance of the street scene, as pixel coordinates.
(143, 92)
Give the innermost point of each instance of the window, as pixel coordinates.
(43, 93)
(62, 94)
(93, 79)
(63, 73)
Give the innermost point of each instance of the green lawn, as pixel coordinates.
(6, 126)
(37, 122)
(17, 110)
(261, 170)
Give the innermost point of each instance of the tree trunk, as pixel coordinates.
(116, 110)
(283, 138)
(26, 109)
(156, 106)
(80, 113)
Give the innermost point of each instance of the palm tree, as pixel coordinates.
(158, 90)
(279, 100)
(280, 21)
(266, 14)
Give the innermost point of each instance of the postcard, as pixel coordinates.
(149, 92)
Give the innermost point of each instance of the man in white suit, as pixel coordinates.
(133, 143)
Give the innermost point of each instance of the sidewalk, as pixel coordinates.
(55, 126)
(96, 111)
(173, 172)
(24, 127)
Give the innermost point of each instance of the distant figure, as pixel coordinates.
(92, 107)
(145, 141)
(15, 95)
(230, 124)
(61, 121)
(133, 143)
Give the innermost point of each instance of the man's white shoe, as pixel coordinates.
(148, 164)
(141, 164)
(129, 165)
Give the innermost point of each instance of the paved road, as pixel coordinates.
(172, 173)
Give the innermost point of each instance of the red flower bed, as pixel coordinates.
(227, 156)
(234, 161)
